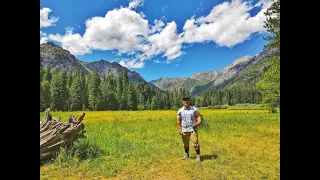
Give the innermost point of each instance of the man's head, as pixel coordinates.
(186, 102)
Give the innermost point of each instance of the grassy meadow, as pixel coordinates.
(238, 144)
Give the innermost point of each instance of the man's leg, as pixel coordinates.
(197, 148)
(186, 139)
(195, 143)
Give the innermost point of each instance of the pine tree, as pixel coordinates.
(112, 103)
(125, 91)
(48, 74)
(272, 24)
(57, 102)
(84, 91)
(45, 96)
(148, 104)
(75, 94)
(95, 92)
(132, 98)
(65, 91)
(41, 70)
(69, 79)
(104, 93)
(270, 84)
(120, 91)
(153, 105)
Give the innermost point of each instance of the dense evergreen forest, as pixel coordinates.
(72, 91)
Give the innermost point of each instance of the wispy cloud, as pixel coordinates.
(45, 20)
(164, 8)
(78, 25)
(158, 26)
(135, 3)
(199, 9)
(142, 15)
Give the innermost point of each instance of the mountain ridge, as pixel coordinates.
(210, 80)
(61, 59)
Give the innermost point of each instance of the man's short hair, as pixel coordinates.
(185, 98)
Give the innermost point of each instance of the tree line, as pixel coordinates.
(238, 95)
(74, 91)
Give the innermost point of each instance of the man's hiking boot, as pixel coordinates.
(185, 157)
(198, 159)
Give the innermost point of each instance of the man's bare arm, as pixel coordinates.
(198, 117)
(179, 125)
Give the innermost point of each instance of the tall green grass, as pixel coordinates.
(238, 144)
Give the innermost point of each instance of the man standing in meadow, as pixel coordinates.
(188, 120)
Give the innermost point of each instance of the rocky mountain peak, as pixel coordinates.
(58, 58)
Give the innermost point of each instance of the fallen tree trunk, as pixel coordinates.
(55, 134)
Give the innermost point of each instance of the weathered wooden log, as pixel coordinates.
(55, 134)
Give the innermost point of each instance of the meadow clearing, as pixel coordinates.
(238, 144)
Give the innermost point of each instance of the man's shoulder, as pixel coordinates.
(193, 108)
(181, 109)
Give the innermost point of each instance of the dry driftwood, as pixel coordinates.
(55, 134)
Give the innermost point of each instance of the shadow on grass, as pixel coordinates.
(207, 157)
(46, 162)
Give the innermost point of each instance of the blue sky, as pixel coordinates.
(167, 38)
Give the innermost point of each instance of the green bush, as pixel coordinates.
(85, 149)
(140, 107)
(81, 150)
(225, 106)
(174, 108)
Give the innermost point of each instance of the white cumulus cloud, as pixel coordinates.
(45, 20)
(126, 31)
(120, 29)
(167, 41)
(72, 42)
(228, 24)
